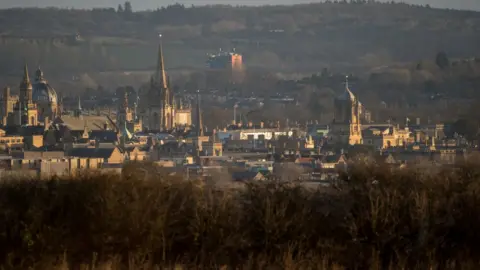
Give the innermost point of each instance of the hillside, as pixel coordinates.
(308, 37)
(153, 4)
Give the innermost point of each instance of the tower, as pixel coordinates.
(26, 112)
(26, 87)
(124, 115)
(6, 105)
(346, 126)
(160, 112)
(198, 115)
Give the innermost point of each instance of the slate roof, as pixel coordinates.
(24, 130)
(103, 135)
(244, 176)
(91, 152)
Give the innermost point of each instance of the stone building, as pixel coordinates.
(160, 112)
(36, 102)
(346, 126)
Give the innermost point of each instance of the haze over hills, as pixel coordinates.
(152, 4)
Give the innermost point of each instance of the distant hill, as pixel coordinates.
(153, 4)
(300, 38)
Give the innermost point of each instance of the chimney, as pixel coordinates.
(262, 124)
(418, 121)
(105, 126)
(250, 124)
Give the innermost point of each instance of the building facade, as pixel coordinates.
(36, 102)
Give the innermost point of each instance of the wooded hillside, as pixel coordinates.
(302, 37)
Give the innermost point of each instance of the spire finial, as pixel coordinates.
(346, 81)
(39, 74)
(161, 76)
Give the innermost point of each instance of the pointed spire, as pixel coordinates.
(347, 95)
(79, 104)
(161, 76)
(25, 87)
(199, 122)
(26, 77)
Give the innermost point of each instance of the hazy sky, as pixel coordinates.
(152, 4)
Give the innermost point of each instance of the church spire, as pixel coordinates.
(199, 122)
(26, 77)
(25, 86)
(161, 75)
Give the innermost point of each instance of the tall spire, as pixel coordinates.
(161, 76)
(347, 95)
(26, 77)
(25, 86)
(199, 122)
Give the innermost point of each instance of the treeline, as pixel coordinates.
(31, 21)
(301, 37)
(374, 218)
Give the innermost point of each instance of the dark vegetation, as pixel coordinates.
(378, 219)
(301, 38)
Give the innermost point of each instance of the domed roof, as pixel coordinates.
(42, 91)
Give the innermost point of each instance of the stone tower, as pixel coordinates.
(346, 126)
(25, 111)
(160, 111)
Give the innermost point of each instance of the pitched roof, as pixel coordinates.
(245, 176)
(91, 152)
(103, 135)
(92, 122)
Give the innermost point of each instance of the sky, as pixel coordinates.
(153, 4)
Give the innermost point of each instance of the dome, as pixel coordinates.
(42, 91)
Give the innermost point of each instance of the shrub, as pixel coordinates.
(378, 218)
